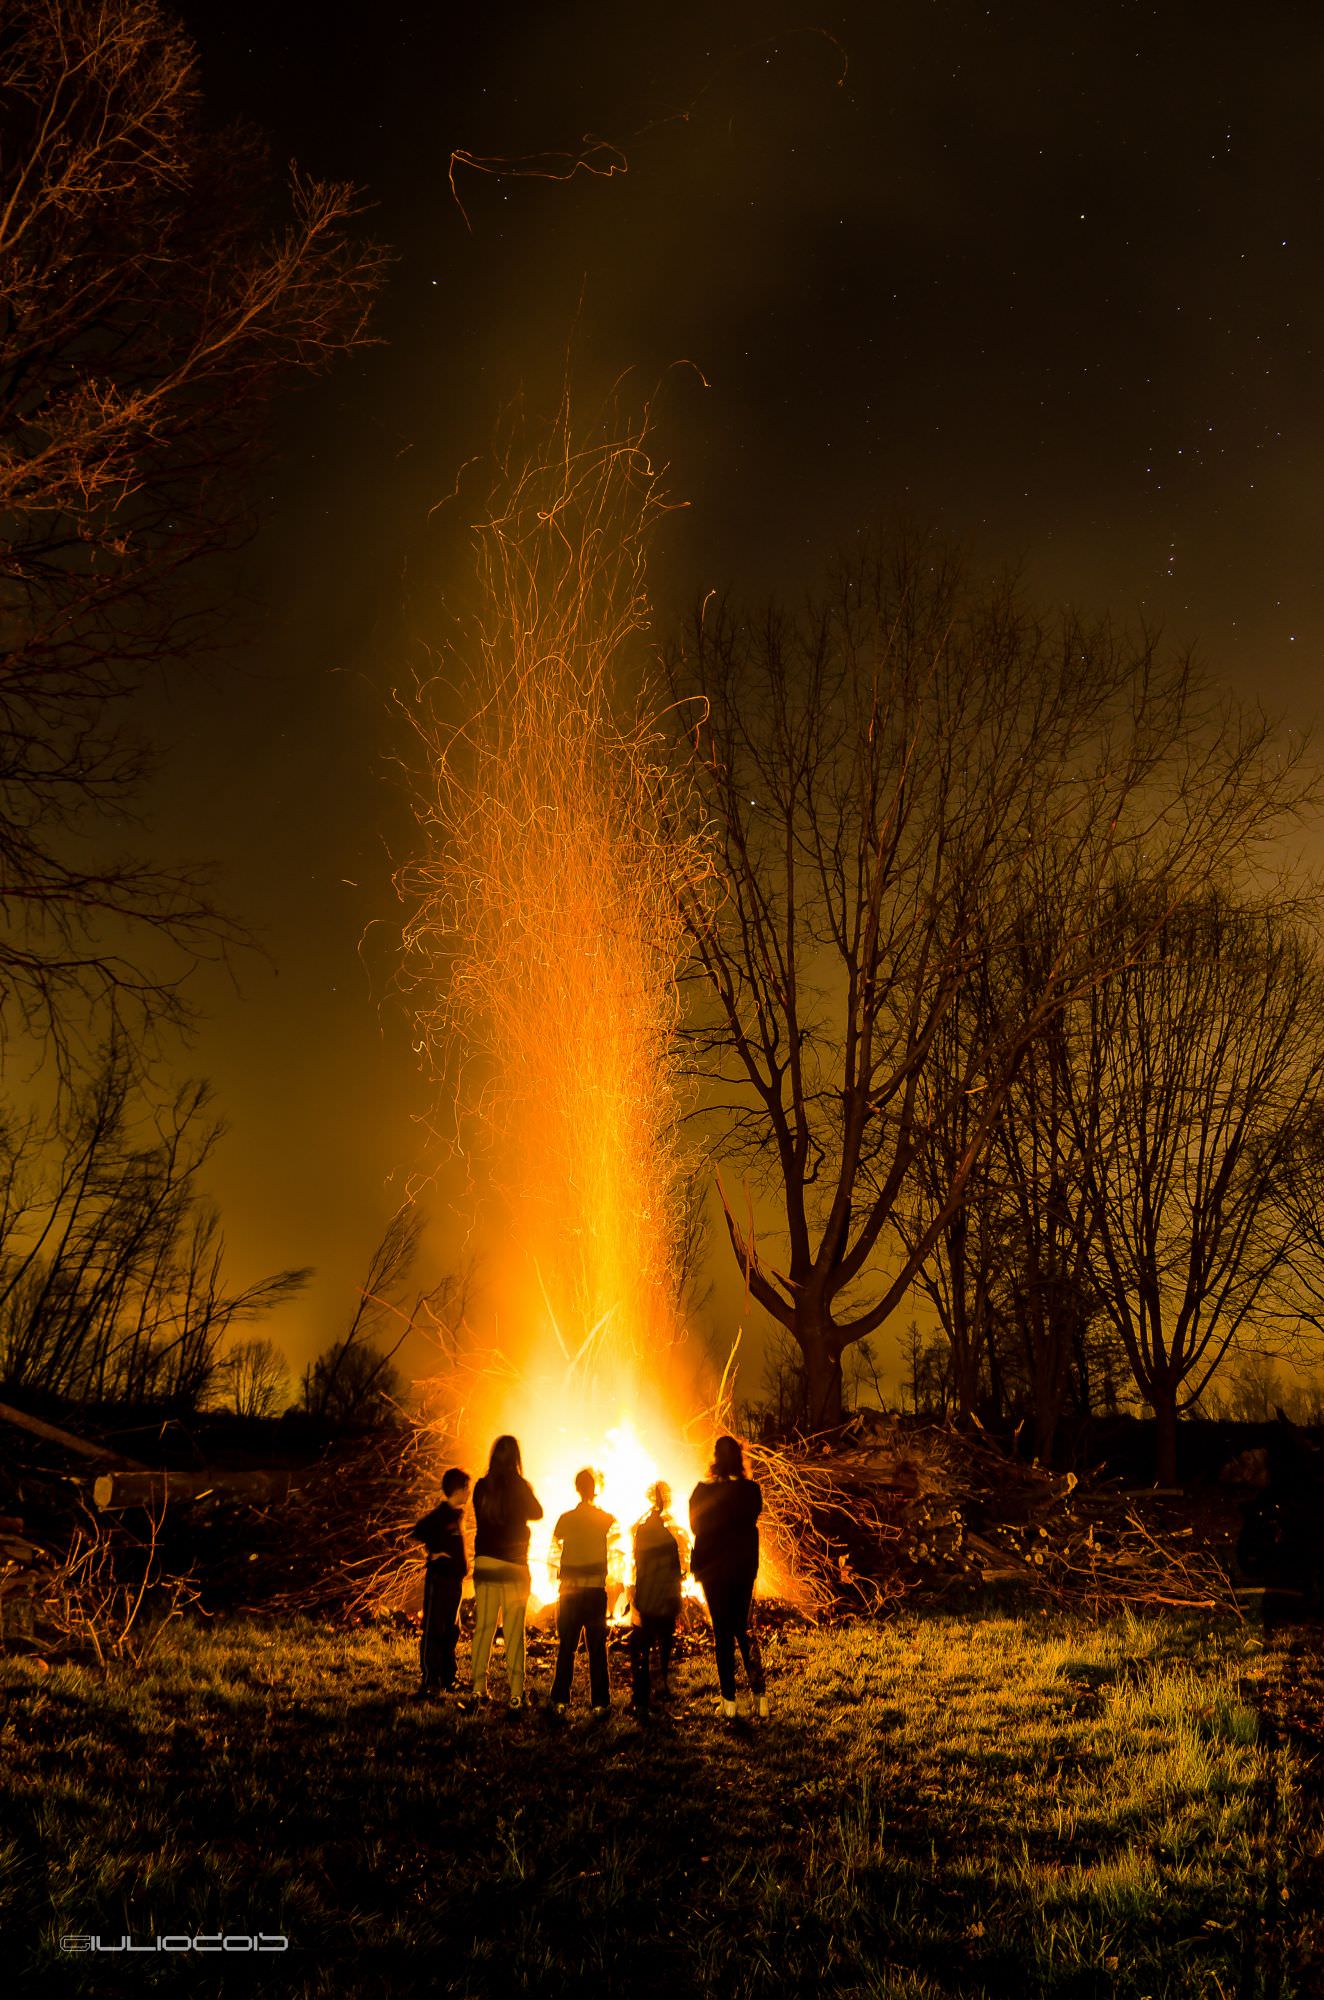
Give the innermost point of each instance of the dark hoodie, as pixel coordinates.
(724, 1516)
(442, 1535)
(503, 1514)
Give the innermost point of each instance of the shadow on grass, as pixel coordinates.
(935, 1808)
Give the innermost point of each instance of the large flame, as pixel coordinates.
(543, 948)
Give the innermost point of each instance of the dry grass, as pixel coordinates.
(939, 1806)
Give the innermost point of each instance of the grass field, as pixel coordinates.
(937, 1806)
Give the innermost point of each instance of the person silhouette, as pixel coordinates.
(661, 1558)
(585, 1537)
(504, 1505)
(442, 1535)
(724, 1513)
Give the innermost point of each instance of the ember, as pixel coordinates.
(542, 952)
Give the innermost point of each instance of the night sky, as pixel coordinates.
(1045, 276)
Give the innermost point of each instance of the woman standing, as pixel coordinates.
(724, 1512)
(504, 1505)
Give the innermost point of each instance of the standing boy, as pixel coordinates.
(442, 1535)
(586, 1537)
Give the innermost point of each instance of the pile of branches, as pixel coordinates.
(897, 1510)
(100, 1589)
(338, 1546)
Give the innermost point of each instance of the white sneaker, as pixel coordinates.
(727, 1710)
(761, 1705)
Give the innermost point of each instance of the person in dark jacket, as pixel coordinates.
(586, 1538)
(504, 1505)
(661, 1557)
(442, 1535)
(724, 1512)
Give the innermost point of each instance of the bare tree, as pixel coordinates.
(895, 777)
(254, 1377)
(1010, 1275)
(152, 295)
(355, 1384)
(1205, 1054)
(863, 1379)
(351, 1380)
(928, 1373)
(779, 1409)
(967, 1264)
(112, 1263)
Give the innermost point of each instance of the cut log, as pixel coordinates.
(155, 1490)
(54, 1435)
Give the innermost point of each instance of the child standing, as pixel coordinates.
(586, 1537)
(661, 1558)
(442, 1535)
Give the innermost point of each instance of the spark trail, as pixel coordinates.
(542, 944)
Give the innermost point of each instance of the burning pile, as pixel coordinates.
(542, 947)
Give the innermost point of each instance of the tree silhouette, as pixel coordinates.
(899, 777)
(156, 287)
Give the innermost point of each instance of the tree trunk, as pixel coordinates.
(1047, 1412)
(822, 1381)
(1164, 1402)
(961, 1334)
(965, 1386)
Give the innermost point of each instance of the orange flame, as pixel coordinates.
(542, 951)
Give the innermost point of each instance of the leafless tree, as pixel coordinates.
(966, 1269)
(863, 1382)
(896, 776)
(352, 1384)
(254, 1377)
(154, 289)
(355, 1377)
(112, 1263)
(689, 1260)
(1204, 1056)
(928, 1373)
(1010, 1274)
(780, 1408)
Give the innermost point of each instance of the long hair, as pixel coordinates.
(505, 1462)
(505, 1469)
(728, 1460)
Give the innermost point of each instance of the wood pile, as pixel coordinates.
(904, 1510)
(20, 1562)
(337, 1546)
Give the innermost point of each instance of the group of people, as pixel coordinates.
(723, 1556)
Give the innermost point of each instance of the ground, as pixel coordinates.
(937, 1806)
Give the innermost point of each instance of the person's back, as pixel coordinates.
(659, 1565)
(503, 1510)
(442, 1535)
(585, 1537)
(724, 1514)
(504, 1505)
(584, 1534)
(660, 1550)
